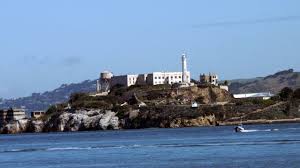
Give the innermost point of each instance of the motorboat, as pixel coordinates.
(239, 128)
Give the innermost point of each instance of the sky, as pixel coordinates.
(44, 44)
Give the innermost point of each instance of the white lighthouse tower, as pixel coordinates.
(184, 70)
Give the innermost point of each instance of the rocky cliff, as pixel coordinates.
(78, 120)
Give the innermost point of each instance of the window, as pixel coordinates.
(179, 77)
(175, 77)
(159, 77)
(155, 78)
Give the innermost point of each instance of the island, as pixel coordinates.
(159, 106)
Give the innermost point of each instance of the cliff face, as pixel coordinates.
(167, 117)
(83, 120)
(80, 120)
(15, 127)
(165, 95)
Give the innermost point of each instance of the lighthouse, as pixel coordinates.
(184, 69)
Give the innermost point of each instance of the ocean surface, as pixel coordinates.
(184, 147)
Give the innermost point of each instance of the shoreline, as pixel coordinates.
(220, 124)
(260, 121)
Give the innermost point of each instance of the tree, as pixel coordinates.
(77, 97)
(296, 94)
(226, 82)
(286, 93)
(52, 109)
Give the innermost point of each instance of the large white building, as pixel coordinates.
(107, 80)
(158, 78)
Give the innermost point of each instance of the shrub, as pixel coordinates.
(200, 99)
(75, 97)
(286, 93)
(296, 94)
(52, 109)
(226, 82)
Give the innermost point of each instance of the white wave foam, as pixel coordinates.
(68, 148)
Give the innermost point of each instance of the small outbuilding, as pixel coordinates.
(37, 114)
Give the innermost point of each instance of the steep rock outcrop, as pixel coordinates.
(35, 126)
(79, 120)
(83, 120)
(195, 122)
(15, 127)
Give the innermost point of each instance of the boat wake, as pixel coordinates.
(170, 145)
(266, 130)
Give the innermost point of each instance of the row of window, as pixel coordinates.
(160, 82)
(167, 77)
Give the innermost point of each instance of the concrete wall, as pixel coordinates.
(121, 80)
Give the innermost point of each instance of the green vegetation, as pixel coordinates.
(226, 83)
(84, 100)
(296, 94)
(54, 110)
(255, 101)
(286, 93)
(200, 99)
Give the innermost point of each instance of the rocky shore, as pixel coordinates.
(79, 120)
(155, 107)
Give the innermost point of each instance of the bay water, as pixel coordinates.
(275, 146)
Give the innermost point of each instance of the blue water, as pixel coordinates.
(185, 147)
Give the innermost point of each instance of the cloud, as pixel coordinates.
(32, 59)
(65, 61)
(249, 22)
(71, 61)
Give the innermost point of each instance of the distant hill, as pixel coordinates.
(272, 83)
(41, 101)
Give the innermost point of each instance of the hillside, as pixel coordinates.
(272, 83)
(41, 101)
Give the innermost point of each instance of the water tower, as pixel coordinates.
(103, 84)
